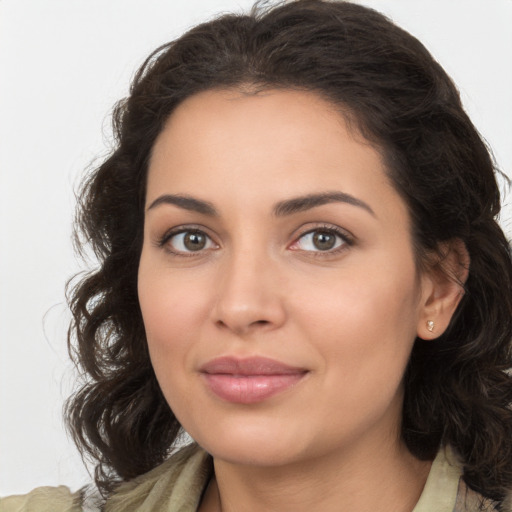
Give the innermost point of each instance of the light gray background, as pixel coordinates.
(63, 63)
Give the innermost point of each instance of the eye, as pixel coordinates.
(188, 241)
(321, 240)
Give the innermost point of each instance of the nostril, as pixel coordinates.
(220, 323)
(247, 311)
(248, 326)
(261, 322)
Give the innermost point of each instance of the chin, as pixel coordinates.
(257, 443)
(265, 453)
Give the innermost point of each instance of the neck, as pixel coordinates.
(388, 479)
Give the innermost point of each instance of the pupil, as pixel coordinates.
(324, 241)
(194, 241)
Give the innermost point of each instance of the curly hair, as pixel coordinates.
(458, 389)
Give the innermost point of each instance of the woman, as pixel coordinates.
(301, 267)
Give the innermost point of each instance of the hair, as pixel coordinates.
(458, 388)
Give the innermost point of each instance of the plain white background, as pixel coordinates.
(63, 64)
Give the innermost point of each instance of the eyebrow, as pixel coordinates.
(281, 209)
(185, 202)
(303, 203)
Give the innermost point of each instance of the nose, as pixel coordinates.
(249, 296)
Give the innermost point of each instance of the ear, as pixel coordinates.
(442, 288)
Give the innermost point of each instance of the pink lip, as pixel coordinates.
(251, 380)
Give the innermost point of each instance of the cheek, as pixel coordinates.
(167, 321)
(166, 315)
(365, 327)
(171, 309)
(168, 297)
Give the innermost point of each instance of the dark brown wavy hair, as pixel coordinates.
(458, 388)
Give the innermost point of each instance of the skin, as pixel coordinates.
(347, 316)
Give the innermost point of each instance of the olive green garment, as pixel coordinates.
(177, 486)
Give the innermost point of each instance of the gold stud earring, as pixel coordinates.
(430, 325)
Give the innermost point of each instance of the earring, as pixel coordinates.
(430, 325)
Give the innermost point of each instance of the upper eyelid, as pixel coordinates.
(333, 228)
(161, 241)
(297, 233)
(184, 228)
(347, 240)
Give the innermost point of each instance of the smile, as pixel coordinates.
(248, 381)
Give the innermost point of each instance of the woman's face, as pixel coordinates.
(277, 279)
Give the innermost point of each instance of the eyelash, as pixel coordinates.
(163, 241)
(346, 238)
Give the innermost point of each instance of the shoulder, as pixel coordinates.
(43, 499)
(177, 484)
(446, 491)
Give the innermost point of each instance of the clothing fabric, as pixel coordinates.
(177, 485)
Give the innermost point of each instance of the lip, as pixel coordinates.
(249, 380)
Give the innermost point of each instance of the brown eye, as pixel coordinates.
(323, 240)
(189, 242)
(194, 241)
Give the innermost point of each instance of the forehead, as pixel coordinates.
(302, 121)
(265, 146)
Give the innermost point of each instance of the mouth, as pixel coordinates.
(250, 380)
